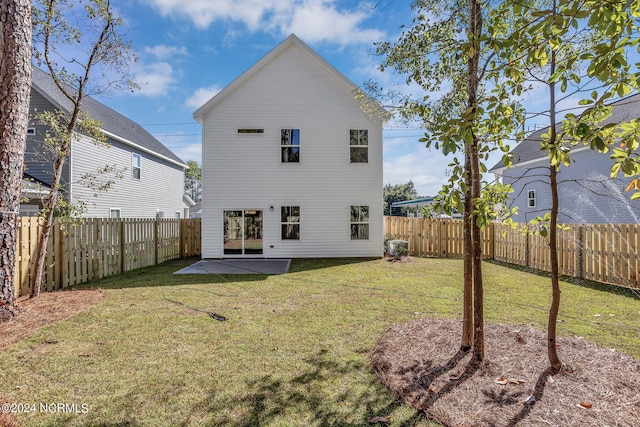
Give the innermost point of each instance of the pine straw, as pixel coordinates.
(419, 362)
(47, 308)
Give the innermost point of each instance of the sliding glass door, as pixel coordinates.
(243, 232)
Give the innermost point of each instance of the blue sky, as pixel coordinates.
(189, 50)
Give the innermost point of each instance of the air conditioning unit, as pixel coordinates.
(393, 244)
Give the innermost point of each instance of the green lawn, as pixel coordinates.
(292, 353)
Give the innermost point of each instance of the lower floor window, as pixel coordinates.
(359, 222)
(114, 213)
(290, 221)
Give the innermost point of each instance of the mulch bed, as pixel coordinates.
(420, 363)
(47, 308)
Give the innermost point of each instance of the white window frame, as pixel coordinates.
(289, 221)
(359, 220)
(115, 210)
(177, 215)
(531, 198)
(359, 136)
(135, 166)
(31, 131)
(291, 144)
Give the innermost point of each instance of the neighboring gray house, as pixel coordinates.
(291, 164)
(151, 184)
(587, 193)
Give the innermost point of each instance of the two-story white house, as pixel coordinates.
(147, 179)
(291, 162)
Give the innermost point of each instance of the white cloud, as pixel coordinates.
(426, 168)
(164, 52)
(155, 79)
(319, 21)
(201, 96)
(312, 20)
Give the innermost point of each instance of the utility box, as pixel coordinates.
(392, 246)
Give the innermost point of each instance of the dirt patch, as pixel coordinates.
(46, 309)
(419, 362)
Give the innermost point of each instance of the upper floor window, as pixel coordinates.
(290, 219)
(531, 198)
(359, 221)
(290, 145)
(135, 166)
(359, 146)
(250, 130)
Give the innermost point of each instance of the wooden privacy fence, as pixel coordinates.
(607, 253)
(101, 247)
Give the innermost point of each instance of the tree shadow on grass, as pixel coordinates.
(316, 394)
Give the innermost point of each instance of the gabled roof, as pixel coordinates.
(114, 125)
(274, 53)
(529, 149)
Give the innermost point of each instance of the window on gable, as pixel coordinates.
(531, 198)
(359, 222)
(359, 146)
(135, 166)
(290, 145)
(290, 219)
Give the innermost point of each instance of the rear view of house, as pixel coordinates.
(292, 162)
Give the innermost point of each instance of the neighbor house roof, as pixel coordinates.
(424, 201)
(113, 124)
(529, 149)
(289, 41)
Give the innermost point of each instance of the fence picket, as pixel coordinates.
(601, 252)
(100, 247)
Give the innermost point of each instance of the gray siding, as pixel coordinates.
(587, 193)
(159, 189)
(38, 161)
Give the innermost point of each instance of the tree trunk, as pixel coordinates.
(475, 30)
(552, 349)
(15, 88)
(467, 315)
(48, 210)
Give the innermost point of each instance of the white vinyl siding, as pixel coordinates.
(160, 187)
(293, 91)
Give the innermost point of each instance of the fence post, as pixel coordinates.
(122, 245)
(581, 247)
(156, 242)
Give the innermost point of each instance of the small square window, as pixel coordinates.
(114, 213)
(290, 145)
(135, 166)
(359, 146)
(31, 131)
(290, 220)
